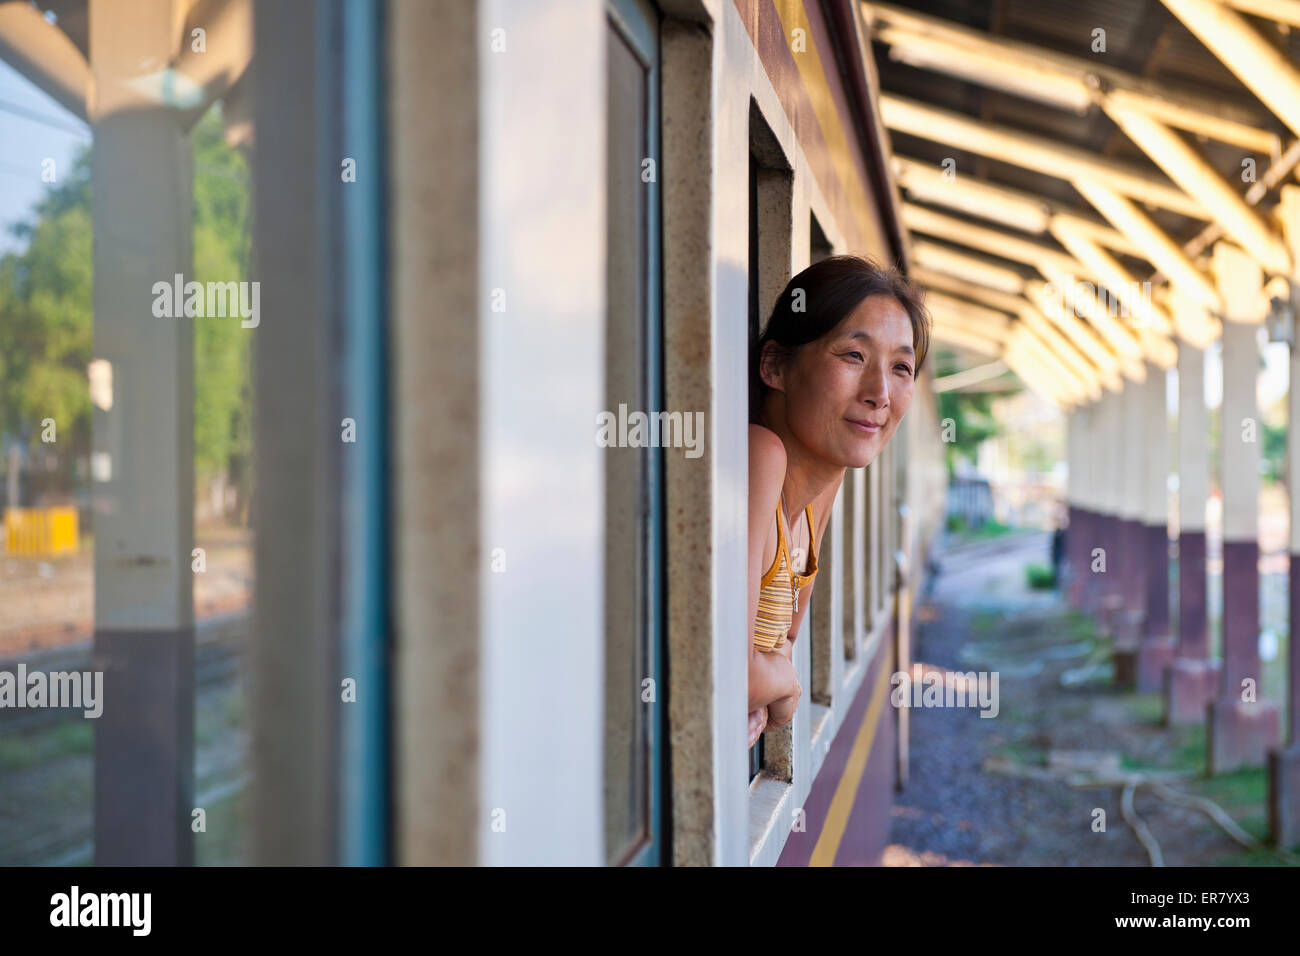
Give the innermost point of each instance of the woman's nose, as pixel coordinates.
(875, 387)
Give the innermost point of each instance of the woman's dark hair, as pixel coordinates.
(817, 299)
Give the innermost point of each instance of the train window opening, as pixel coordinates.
(854, 491)
(755, 330)
(824, 630)
(872, 541)
(771, 217)
(634, 510)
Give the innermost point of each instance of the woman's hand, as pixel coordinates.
(771, 677)
(781, 712)
(757, 722)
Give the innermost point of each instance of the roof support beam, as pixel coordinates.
(955, 335)
(1134, 232)
(969, 268)
(1134, 297)
(1080, 333)
(42, 53)
(987, 323)
(1036, 153)
(1189, 169)
(1264, 69)
(970, 376)
(1057, 79)
(986, 295)
(1062, 270)
(1074, 387)
(1282, 11)
(1011, 207)
(991, 241)
(1036, 381)
(1083, 300)
(1157, 247)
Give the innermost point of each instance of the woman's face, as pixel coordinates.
(846, 392)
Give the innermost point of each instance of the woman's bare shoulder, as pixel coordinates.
(766, 453)
(766, 471)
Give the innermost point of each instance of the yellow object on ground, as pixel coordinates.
(41, 532)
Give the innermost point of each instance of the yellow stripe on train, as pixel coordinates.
(40, 532)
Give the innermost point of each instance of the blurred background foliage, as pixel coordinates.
(46, 328)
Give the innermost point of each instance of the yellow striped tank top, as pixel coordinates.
(777, 589)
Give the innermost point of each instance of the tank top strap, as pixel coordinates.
(781, 549)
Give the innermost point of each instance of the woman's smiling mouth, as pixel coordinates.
(866, 428)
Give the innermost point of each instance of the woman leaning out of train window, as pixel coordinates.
(833, 376)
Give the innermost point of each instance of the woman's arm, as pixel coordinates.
(771, 675)
(781, 712)
(771, 678)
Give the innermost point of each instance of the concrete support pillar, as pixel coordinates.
(1284, 765)
(1193, 677)
(1096, 540)
(1131, 579)
(143, 448)
(1241, 725)
(1111, 451)
(1075, 497)
(1156, 651)
(1088, 505)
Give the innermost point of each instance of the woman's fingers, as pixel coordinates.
(757, 723)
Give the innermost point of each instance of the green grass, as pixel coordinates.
(222, 843)
(1040, 576)
(68, 738)
(1239, 789)
(983, 621)
(1147, 708)
(1078, 626)
(991, 528)
(1024, 753)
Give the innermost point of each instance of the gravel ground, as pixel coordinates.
(959, 807)
(46, 603)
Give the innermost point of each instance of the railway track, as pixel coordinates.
(219, 646)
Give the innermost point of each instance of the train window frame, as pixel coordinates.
(851, 601)
(637, 24)
(771, 205)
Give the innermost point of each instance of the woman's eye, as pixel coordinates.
(906, 368)
(858, 354)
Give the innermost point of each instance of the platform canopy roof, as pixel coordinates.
(1085, 183)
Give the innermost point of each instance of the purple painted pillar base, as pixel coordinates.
(1284, 796)
(1189, 687)
(1091, 581)
(1154, 657)
(1124, 654)
(1074, 533)
(1109, 609)
(1241, 734)
(1157, 650)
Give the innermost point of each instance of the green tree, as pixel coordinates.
(46, 327)
(45, 320)
(222, 351)
(971, 416)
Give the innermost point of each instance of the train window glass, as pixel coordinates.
(633, 476)
(128, 454)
